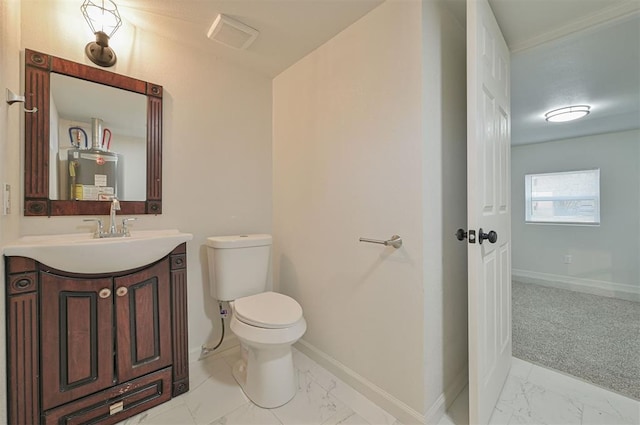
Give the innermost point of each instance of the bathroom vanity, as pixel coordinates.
(94, 347)
(96, 327)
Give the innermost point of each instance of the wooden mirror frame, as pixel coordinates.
(38, 67)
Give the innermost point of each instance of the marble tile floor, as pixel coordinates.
(532, 395)
(215, 398)
(539, 396)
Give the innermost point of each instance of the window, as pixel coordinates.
(568, 197)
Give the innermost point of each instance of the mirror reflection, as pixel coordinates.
(97, 141)
(53, 187)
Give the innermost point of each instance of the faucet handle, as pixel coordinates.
(125, 229)
(99, 229)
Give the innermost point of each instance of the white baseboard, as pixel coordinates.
(404, 413)
(401, 411)
(588, 286)
(439, 408)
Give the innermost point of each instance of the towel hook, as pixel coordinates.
(14, 98)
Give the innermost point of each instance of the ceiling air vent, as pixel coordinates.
(231, 32)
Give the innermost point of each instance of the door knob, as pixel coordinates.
(491, 236)
(462, 235)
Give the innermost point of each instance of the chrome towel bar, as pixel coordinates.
(395, 241)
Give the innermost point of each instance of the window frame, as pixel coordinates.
(529, 199)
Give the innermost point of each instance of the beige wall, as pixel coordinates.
(10, 142)
(216, 146)
(9, 148)
(359, 132)
(347, 164)
(444, 168)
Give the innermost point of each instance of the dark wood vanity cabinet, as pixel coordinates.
(94, 348)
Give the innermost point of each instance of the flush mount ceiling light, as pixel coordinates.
(568, 113)
(104, 20)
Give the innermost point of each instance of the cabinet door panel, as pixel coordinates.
(143, 317)
(77, 337)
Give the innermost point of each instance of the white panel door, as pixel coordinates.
(489, 209)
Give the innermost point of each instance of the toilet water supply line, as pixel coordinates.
(223, 313)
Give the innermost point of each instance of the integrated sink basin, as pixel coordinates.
(82, 253)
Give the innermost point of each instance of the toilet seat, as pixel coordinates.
(268, 310)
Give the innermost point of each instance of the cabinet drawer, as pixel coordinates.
(115, 404)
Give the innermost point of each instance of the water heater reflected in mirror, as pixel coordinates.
(97, 141)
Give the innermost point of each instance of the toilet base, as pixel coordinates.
(266, 375)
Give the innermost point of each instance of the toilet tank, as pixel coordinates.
(238, 265)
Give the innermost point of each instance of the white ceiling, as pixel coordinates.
(561, 51)
(525, 23)
(289, 29)
(599, 67)
(572, 52)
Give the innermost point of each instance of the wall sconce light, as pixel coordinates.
(568, 113)
(104, 20)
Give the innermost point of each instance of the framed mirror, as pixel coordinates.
(96, 135)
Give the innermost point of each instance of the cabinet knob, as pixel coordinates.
(23, 283)
(104, 293)
(121, 291)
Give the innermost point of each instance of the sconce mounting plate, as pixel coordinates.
(99, 51)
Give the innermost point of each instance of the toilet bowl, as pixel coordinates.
(267, 324)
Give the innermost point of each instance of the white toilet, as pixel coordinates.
(266, 323)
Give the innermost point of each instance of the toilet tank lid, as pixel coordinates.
(239, 241)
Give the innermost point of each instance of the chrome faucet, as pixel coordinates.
(114, 231)
(115, 206)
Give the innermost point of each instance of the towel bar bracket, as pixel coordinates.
(395, 241)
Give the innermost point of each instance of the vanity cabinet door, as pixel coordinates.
(76, 337)
(143, 321)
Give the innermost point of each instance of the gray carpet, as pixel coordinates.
(596, 339)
